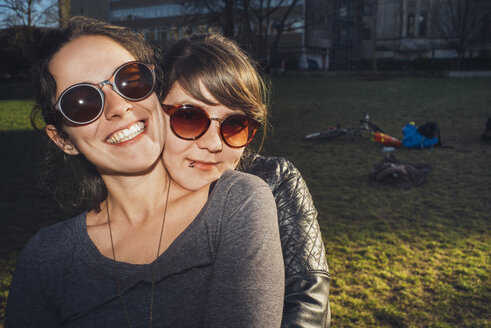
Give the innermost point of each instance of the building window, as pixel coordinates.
(485, 30)
(298, 25)
(150, 34)
(367, 9)
(410, 25)
(214, 29)
(163, 33)
(163, 10)
(264, 28)
(366, 33)
(343, 11)
(275, 26)
(292, 25)
(174, 33)
(422, 24)
(343, 34)
(186, 30)
(201, 29)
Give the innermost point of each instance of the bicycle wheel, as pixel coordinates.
(325, 135)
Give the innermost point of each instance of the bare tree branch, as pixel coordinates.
(459, 22)
(250, 21)
(27, 13)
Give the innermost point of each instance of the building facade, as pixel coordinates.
(408, 30)
(317, 34)
(304, 41)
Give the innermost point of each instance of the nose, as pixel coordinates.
(114, 104)
(211, 140)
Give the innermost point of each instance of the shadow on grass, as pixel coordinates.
(16, 89)
(24, 207)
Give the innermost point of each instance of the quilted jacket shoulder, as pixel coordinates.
(306, 271)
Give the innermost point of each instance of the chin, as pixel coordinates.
(193, 184)
(141, 167)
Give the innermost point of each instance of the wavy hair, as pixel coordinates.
(73, 180)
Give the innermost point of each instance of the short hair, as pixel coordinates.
(226, 71)
(73, 180)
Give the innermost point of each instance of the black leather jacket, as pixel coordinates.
(307, 275)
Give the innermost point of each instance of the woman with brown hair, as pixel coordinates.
(210, 90)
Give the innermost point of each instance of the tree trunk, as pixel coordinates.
(63, 12)
(29, 14)
(229, 28)
(374, 35)
(279, 32)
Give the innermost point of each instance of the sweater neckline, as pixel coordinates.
(170, 253)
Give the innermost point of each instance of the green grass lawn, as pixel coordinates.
(398, 258)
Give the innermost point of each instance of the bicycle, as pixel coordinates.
(336, 131)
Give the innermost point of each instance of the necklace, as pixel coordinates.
(154, 263)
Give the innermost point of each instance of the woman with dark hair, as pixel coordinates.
(148, 250)
(210, 85)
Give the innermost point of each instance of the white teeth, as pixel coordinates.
(127, 134)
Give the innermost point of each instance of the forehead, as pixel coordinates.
(178, 96)
(87, 59)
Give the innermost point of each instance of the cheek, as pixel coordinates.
(233, 157)
(175, 151)
(170, 151)
(174, 146)
(81, 135)
(174, 161)
(167, 129)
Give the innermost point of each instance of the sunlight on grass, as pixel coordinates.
(398, 258)
(7, 266)
(14, 115)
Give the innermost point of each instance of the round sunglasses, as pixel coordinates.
(83, 103)
(190, 122)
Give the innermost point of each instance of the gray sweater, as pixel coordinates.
(224, 270)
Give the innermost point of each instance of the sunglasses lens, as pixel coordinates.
(81, 104)
(189, 122)
(238, 131)
(135, 81)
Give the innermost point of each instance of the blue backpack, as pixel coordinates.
(414, 139)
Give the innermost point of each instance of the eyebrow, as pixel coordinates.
(193, 102)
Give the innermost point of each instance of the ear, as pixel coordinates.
(64, 144)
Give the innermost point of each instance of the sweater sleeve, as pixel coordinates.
(28, 304)
(247, 284)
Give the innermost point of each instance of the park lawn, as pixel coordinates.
(398, 258)
(14, 115)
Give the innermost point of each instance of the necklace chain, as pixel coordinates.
(154, 266)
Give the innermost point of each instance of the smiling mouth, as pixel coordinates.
(126, 134)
